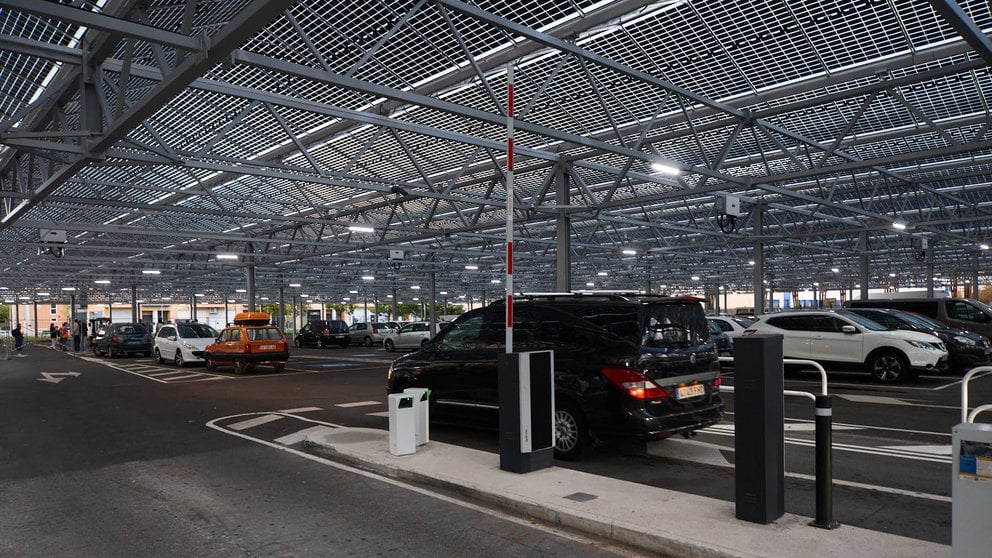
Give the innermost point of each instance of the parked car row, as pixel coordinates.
(891, 345)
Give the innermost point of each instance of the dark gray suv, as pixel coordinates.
(641, 368)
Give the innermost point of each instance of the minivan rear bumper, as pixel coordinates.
(639, 424)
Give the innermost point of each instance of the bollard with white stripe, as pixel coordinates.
(824, 464)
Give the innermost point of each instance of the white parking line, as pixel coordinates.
(380, 414)
(300, 410)
(358, 404)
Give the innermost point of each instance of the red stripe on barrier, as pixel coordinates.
(509, 258)
(509, 311)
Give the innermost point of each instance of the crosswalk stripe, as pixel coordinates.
(250, 423)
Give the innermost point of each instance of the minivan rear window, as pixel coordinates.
(666, 325)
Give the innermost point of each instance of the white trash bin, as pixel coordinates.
(422, 410)
(402, 424)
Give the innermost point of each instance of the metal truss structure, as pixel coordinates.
(310, 139)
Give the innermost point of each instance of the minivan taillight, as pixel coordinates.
(715, 384)
(634, 383)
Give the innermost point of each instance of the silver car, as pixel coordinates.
(410, 336)
(183, 343)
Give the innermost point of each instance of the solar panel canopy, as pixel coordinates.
(657, 145)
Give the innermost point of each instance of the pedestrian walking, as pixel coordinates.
(64, 336)
(75, 335)
(53, 335)
(18, 338)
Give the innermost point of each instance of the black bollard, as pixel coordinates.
(824, 464)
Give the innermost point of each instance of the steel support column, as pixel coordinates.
(563, 240)
(863, 266)
(757, 216)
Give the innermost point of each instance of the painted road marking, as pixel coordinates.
(932, 450)
(54, 377)
(873, 399)
(358, 404)
(913, 452)
(300, 410)
(301, 435)
(257, 421)
(381, 414)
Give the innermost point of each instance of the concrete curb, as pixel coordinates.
(651, 519)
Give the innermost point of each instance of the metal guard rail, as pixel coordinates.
(965, 415)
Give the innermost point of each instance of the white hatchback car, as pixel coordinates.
(183, 343)
(844, 339)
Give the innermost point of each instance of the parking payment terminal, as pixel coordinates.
(971, 490)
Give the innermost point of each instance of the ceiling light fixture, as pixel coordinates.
(899, 225)
(151, 272)
(666, 169)
(227, 256)
(359, 228)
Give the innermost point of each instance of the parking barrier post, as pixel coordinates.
(824, 464)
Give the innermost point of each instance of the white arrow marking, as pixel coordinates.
(53, 377)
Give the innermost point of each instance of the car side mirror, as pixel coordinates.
(848, 329)
(427, 345)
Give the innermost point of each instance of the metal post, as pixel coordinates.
(758, 278)
(509, 207)
(863, 266)
(824, 464)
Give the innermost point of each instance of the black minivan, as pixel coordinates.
(634, 367)
(321, 333)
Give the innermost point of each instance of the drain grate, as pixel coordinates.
(581, 497)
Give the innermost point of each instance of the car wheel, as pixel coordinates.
(299, 344)
(209, 362)
(321, 344)
(240, 366)
(158, 356)
(280, 366)
(368, 341)
(571, 439)
(388, 345)
(180, 362)
(888, 367)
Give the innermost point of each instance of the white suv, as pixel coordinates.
(845, 339)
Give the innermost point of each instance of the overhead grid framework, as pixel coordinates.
(310, 138)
